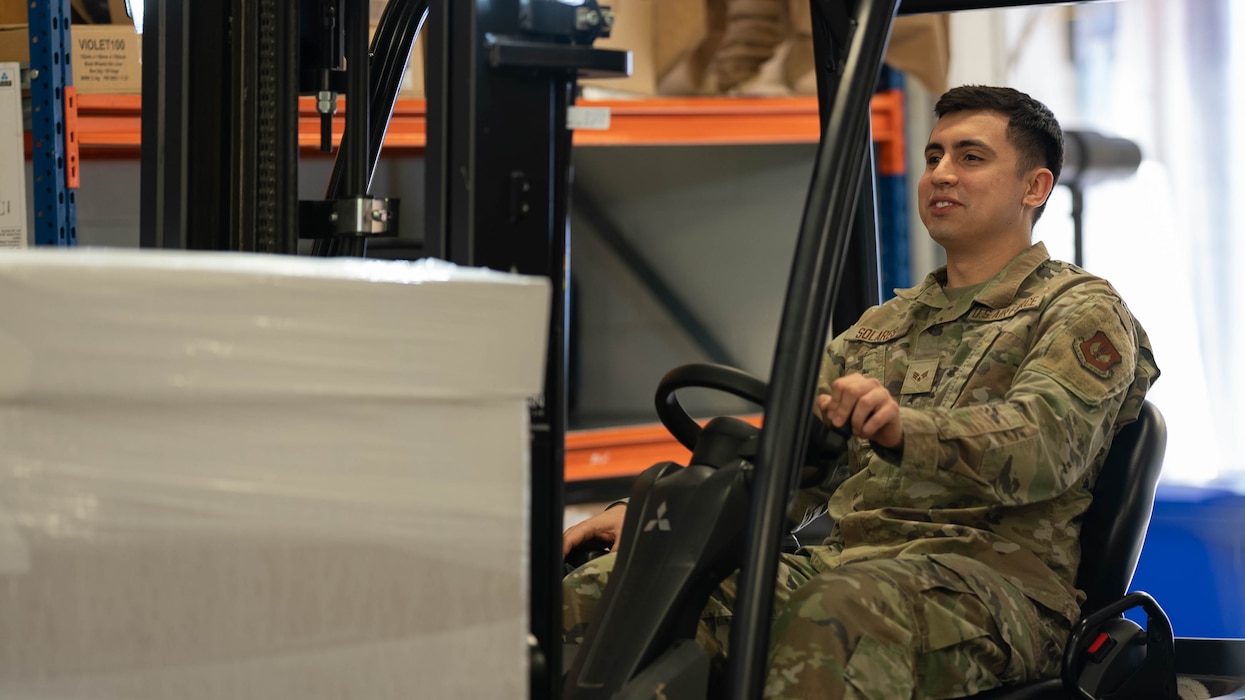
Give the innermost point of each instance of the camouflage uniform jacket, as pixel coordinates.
(1009, 397)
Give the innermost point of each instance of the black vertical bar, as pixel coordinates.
(498, 183)
(820, 251)
(220, 126)
(548, 481)
(278, 89)
(185, 125)
(262, 104)
(209, 101)
(448, 23)
(243, 186)
(355, 145)
(861, 277)
(163, 185)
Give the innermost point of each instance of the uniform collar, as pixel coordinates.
(999, 292)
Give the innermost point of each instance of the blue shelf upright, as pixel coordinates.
(892, 193)
(52, 110)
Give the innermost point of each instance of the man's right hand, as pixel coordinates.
(864, 405)
(606, 526)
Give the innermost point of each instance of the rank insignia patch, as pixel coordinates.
(920, 377)
(1098, 354)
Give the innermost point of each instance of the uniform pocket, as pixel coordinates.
(1025, 637)
(962, 653)
(878, 671)
(950, 612)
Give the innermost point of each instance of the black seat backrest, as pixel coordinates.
(1114, 526)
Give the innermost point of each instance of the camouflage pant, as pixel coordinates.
(892, 628)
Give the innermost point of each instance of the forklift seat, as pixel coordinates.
(1112, 530)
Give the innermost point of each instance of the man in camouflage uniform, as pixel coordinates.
(982, 404)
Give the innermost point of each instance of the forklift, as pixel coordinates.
(219, 172)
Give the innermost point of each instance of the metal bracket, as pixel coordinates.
(583, 23)
(349, 217)
(509, 52)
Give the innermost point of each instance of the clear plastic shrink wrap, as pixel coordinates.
(232, 476)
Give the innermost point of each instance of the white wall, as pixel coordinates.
(108, 203)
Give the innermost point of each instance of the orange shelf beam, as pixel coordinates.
(614, 452)
(706, 121)
(111, 124)
(608, 453)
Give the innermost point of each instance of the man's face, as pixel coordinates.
(971, 192)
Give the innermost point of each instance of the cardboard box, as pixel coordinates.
(413, 79)
(14, 43)
(674, 42)
(659, 33)
(105, 58)
(920, 46)
(117, 13)
(375, 9)
(15, 11)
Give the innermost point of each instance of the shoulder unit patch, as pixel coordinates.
(1097, 354)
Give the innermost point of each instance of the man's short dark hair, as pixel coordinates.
(1031, 126)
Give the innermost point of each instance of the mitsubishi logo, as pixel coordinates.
(660, 522)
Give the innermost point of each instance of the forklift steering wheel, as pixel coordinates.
(704, 376)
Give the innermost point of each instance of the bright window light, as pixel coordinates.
(135, 9)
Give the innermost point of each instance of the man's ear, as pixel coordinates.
(1041, 182)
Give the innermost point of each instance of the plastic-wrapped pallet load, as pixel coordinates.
(245, 477)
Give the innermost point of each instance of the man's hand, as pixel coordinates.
(864, 403)
(606, 526)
